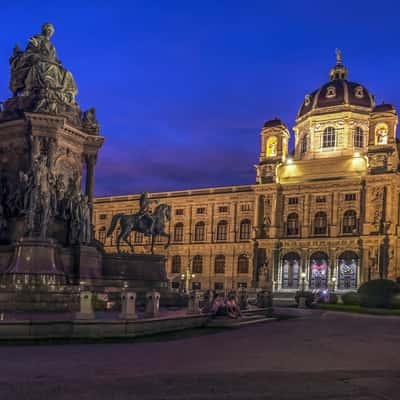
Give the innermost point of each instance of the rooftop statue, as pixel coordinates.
(37, 72)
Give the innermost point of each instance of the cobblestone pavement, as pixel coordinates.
(322, 354)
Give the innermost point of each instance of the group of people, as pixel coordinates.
(41, 195)
(220, 304)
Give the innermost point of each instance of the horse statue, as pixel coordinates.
(153, 225)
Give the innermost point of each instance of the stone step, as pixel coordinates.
(236, 323)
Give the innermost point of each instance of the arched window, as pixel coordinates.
(358, 137)
(197, 266)
(272, 143)
(222, 230)
(292, 227)
(178, 232)
(219, 266)
(320, 223)
(290, 271)
(199, 232)
(329, 137)
(245, 229)
(243, 264)
(102, 234)
(350, 221)
(381, 134)
(304, 144)
(176, 264)
(138, 237)
(348, 264)
(318, 271)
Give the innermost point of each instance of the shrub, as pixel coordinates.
(307, 294)
(351, 298)
(395, 301)
(377, 293)
(332, 298)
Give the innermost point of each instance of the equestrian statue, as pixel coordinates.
(149, 223)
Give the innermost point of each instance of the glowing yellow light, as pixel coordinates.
(356, 154)
(289, 161)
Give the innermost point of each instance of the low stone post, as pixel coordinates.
(194, 302)
(264, 299)
(152, 304)
(128, 305)
(86, 310)
(243, 299)
(302, 302)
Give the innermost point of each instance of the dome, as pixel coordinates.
(274, 122)
(339, 91)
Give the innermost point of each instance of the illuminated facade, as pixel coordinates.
(330, 209)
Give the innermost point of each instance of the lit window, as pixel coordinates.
(329, 137)
(381, 134)
(272, 143)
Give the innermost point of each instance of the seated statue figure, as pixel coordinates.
(38, 72)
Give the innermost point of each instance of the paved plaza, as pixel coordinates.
(320, 355)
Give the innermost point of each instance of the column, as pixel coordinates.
(90, 164)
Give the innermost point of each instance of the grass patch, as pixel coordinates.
(360, 310)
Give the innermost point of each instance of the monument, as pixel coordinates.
(48, 148)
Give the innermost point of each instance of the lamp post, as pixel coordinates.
(187, 277)
(333, 284)
(303, 281)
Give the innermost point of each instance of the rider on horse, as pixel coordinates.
(144, 212)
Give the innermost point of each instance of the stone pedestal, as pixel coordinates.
(193, 304)
(128, 305)
(37, 257)
(152, 304)
(86, 311)
(302, 302)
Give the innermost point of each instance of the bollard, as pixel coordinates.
(152, 304)
(193, 304)
(86, 311)
(2, 316)
(243, 299)
(128, 305)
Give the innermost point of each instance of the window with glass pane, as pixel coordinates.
(320, 223)
(290, 271)
(245, 229)
(349, 221)
(358, 137)
(176, 264)
(197, 266)
(199, 231)
(178, 232)
(243, 264)
(348, 265)
(304, 144)
(292, 224)
(329, 137)
(219, 266)
(222, 230)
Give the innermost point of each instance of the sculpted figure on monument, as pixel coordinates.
(39, 73)
(85, 225)
(89, 120)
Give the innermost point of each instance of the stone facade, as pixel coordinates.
(326, 216)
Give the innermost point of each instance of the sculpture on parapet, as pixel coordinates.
(149, 223)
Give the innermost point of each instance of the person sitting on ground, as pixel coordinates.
(218, 307)
(232, 308)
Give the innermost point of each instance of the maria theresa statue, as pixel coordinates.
(38, 72)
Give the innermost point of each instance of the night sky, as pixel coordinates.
(182, 88)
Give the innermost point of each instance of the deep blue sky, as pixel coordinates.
(183, 87)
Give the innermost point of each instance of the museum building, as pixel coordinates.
(324, 216)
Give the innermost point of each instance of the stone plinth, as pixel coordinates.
(86, 310)
(152, 304)
(35, 262)
(128, 305)
(194, 303)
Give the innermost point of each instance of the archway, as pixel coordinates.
(319, 270)
(347, 270)
(290, 270)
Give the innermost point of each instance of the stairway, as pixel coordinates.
(249, 317)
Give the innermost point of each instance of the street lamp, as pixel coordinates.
(333, 283)
(187, 277)
(303, 281)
